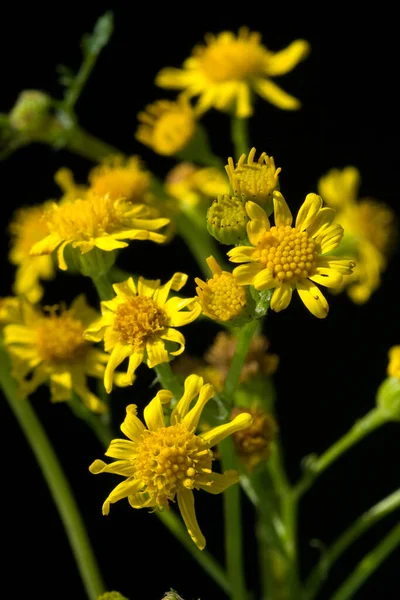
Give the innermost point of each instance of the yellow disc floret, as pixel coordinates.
(393, 369)
(139, 319)
(254, 180)
(221, 298)
(60, 339)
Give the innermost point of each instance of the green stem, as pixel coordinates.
(56, 481)
(103, 286)
(204, 558)
(371, 421)
(356, 529)
(168, 380)
(368, 565)
(242, 347)
(84, 144)
(240, 136)
(233, 526)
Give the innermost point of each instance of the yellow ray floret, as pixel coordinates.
(283, 257)
(167, 127)
(225, 71)
(49, 347)
(163, 461)
(253, 180)
(97, 221)
(139, 322)
(221, 298)
(393, 369)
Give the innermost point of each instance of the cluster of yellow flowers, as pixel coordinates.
(141, 321)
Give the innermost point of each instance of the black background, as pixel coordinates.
(329, 369)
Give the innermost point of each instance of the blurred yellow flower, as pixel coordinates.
(393, 369)
(26, 228)
(191, 185)
(139, 321)
(10, 310)
(48, 346)
(166, 126)
(253, 180)
(167, 461)
(283, 257)
(369, 227)
(120, 177)
(64, 178)
(96, 221)
(228, 68)
(253, 444)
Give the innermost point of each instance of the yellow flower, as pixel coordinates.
(167, 461)
(120, 177)
(393, 369)
(191, 185)
(369, 227)
(253, 444)
(27, 228)
(283, 257)
(228, 67)
(71, 190)
(254, 181)
(138, 322)
(167, 127)
(221, 298)
(10, 310)
(48, 346)
(97, 221)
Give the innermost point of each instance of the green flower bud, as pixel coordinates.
(227, 220)
(172, 595)
(112, 596)
(388, 398)
(31, 113)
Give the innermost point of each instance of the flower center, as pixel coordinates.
(223, 298)
(172, 131)
(138, 319)
(254, 181)
(169, 459)
(233, 59)
(288, 253)
(60, 339)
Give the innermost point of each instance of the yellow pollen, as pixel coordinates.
(138, 319)
(222, 298)
(170, 459)
(60, 339)
(288, 253)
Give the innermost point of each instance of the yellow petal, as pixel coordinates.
(330, 238)
(46, 245)
(171, 78)
(118, 467)
(147, 287)
(218, 483)
(313, 299)
(173, 335)
(132, 427)
(255, 211)
(282, 214)
(340, 188)
(60, 386)
(135, 360)
(60, 256)
(176, 283)
(108, 243)
(186, 506)
(122, 449)
(156, 353)
(280, 63)
(213, 265)
(118, 354)
(140, 500)
(19, 334)
(245, 274)
(243, 101)
(308, 211)
(95, 332)
(264, 280)
(126, 289)
(327, 277)
(191, 419)
(216, 435)
(184, 317)
(124, 489)
(255, 231)
(281, 297)
(192, 387)
(322, 221)
(275, 95)
(153, 413)
(242, 253)
(343, 265)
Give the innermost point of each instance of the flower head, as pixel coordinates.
(167, 127)
(27, 228)
(120, 177)
(64, 178)
(225, 70)
(10, 310)
(166, 461)
(369, 227)
(253, 444)
(283, 257)
(252, 180)
(140, 321)
(221, 298)
(393, 369)
(96, 221)
(191, 185)
(227, 219)
(48, 346)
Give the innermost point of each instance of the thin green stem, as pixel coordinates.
(233, 526)
(56, 481)
(87, 145)
(315, 466)
(103, 286)
(168, 380)
(204, 558)
(242, 347)
(356, 529)
(240, 136)
(368, 565)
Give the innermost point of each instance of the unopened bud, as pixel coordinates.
(227, 220)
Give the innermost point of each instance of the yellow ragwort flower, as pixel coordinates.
(64, 178)
(48, 346)
(252, 180)
(166, 126)
(225, 71)
(393, 369)
(120, 177)
(221, 298)
(139, 321)
(283, 257)
(253, 444)
(167, 461)
(27, 228)
(10, 310)
(96, 221)
(191, 185)
(369, 227)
